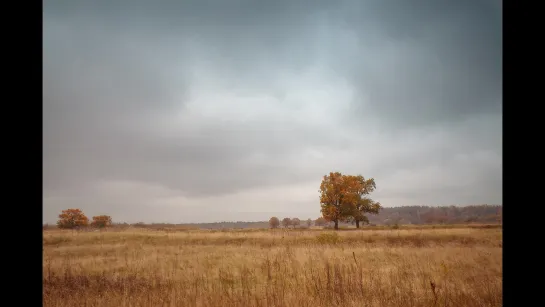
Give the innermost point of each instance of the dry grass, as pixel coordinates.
(274, 268)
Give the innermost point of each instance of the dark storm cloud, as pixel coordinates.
(439, 60)
(152, 105)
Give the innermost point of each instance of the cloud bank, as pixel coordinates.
(189, 111)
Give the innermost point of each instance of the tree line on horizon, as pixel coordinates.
(344, 199)
(439, 215)
(286, 222)
(417, 215)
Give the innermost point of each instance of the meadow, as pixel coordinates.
(409, 266)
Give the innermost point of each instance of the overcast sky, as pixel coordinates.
(203, 111)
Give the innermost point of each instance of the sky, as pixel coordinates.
(207, 111)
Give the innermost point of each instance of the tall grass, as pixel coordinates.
(426, 267)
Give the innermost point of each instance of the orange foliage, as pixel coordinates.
(72, 218)
(101, 221)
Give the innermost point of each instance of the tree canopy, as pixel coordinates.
(72, 218)
(286, 222)
(101, 221)
(343, 198)
(274, 222)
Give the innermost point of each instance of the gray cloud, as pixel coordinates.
(169, 110)
(439, 61)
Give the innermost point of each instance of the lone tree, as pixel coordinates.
(101, 221)
(342, 197)
(72, 218)
(274, 222)
(286, 222)
(320, 222)
(309, 223)
(295, 222)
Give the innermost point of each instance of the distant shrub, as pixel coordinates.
(101, 221)
(274, 222)
(320, 222)
(72, 219)
(286, 222)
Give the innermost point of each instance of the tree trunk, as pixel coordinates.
(357, 224)
(336, 224)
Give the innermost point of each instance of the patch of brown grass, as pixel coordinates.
(274, 268)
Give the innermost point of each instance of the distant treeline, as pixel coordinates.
(487, 214)
(438, 215)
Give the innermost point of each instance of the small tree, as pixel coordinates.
(320, 222)
(72, 218)
(101, 221)
(286, 222)
(274, 222)
(309, 223)
(295, 222)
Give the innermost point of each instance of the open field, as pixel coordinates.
(382, 267)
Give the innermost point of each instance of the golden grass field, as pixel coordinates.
(384, 267)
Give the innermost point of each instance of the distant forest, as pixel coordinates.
(438, 215)
(487, 214)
